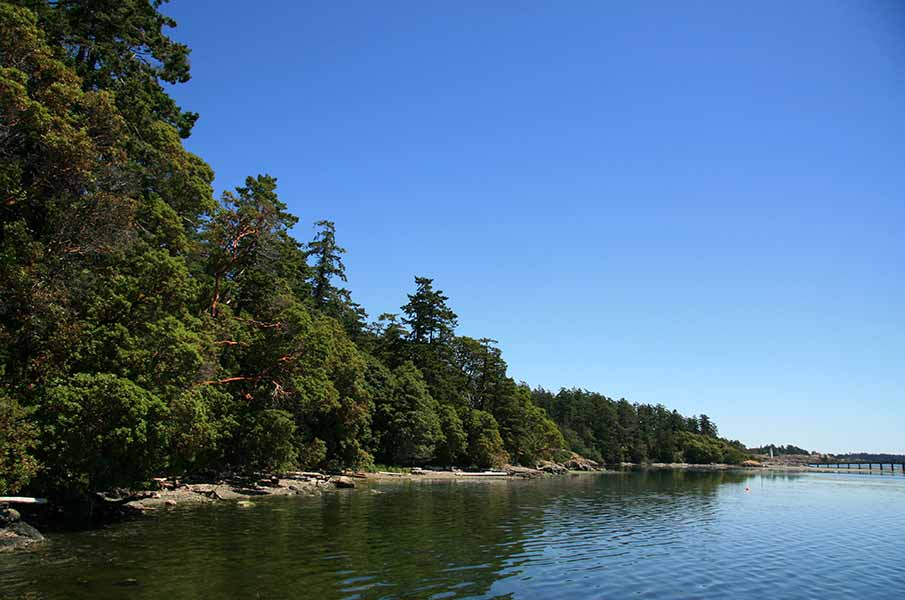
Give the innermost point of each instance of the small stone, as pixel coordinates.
(9, 515)
(170, 502)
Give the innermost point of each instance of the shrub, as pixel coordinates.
(18, 438)
(313, 453)
(451, 449)
(485, 446)
(201, 423)
(101, 431)
(268, 441)
(415, 424)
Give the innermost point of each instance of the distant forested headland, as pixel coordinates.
(782, 450)
(148, 328)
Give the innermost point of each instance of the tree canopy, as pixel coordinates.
(147, 327)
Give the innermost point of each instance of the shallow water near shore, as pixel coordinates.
(664, 534)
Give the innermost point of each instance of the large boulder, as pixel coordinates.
(551, 467)
(343, 482)
(18, 534)
(579, 463)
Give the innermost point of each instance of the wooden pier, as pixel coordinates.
(883, 467)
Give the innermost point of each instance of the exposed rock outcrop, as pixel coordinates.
(175, 493)
(15, 533)
(548, 466)
(579, 463)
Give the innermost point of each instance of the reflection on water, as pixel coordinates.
(645, 534)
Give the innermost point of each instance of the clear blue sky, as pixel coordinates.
(694, 203)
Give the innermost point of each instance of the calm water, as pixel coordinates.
(636, 535)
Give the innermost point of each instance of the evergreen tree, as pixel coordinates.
(428, 318)
(415, 425)
(430, 324)
(452, 449)
(707, 427)
(485, 382)
(247, 226)
(485, 446)
(146, 328)
(328, 264)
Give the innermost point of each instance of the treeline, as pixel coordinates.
(857, 457)
(787, 450)
(147, 328)
(617, 431)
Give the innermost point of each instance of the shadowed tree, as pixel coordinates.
(415, 424)
(707, 427)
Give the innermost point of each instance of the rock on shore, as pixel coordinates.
(543, 468)
(575, 462)
(175, 493)
(14, 532)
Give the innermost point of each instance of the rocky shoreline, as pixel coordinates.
(16, 534)
(171, 493)
(105, 507)
(175, 493)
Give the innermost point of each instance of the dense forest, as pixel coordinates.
(147, 327)
(864, 457)
(613, 431)
(787, 450)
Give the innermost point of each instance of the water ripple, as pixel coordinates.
(638, 535)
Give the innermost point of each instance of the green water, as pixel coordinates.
(632, 535)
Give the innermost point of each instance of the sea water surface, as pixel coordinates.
(666, 534)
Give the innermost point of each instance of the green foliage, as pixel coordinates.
(787, 450)
(528, 433)
(18, 438)
(428, 317)
(241, 234)
(698, 449)
(613, 431)
(485, 446)
(414, 426)
(122, 41)
(451, 450)
(327, 255)
(313, 454)
(707, 427)
(146, 328)
(101, 431)
(702, 449)
(328, 265)
(202, 424)
(267, 441)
